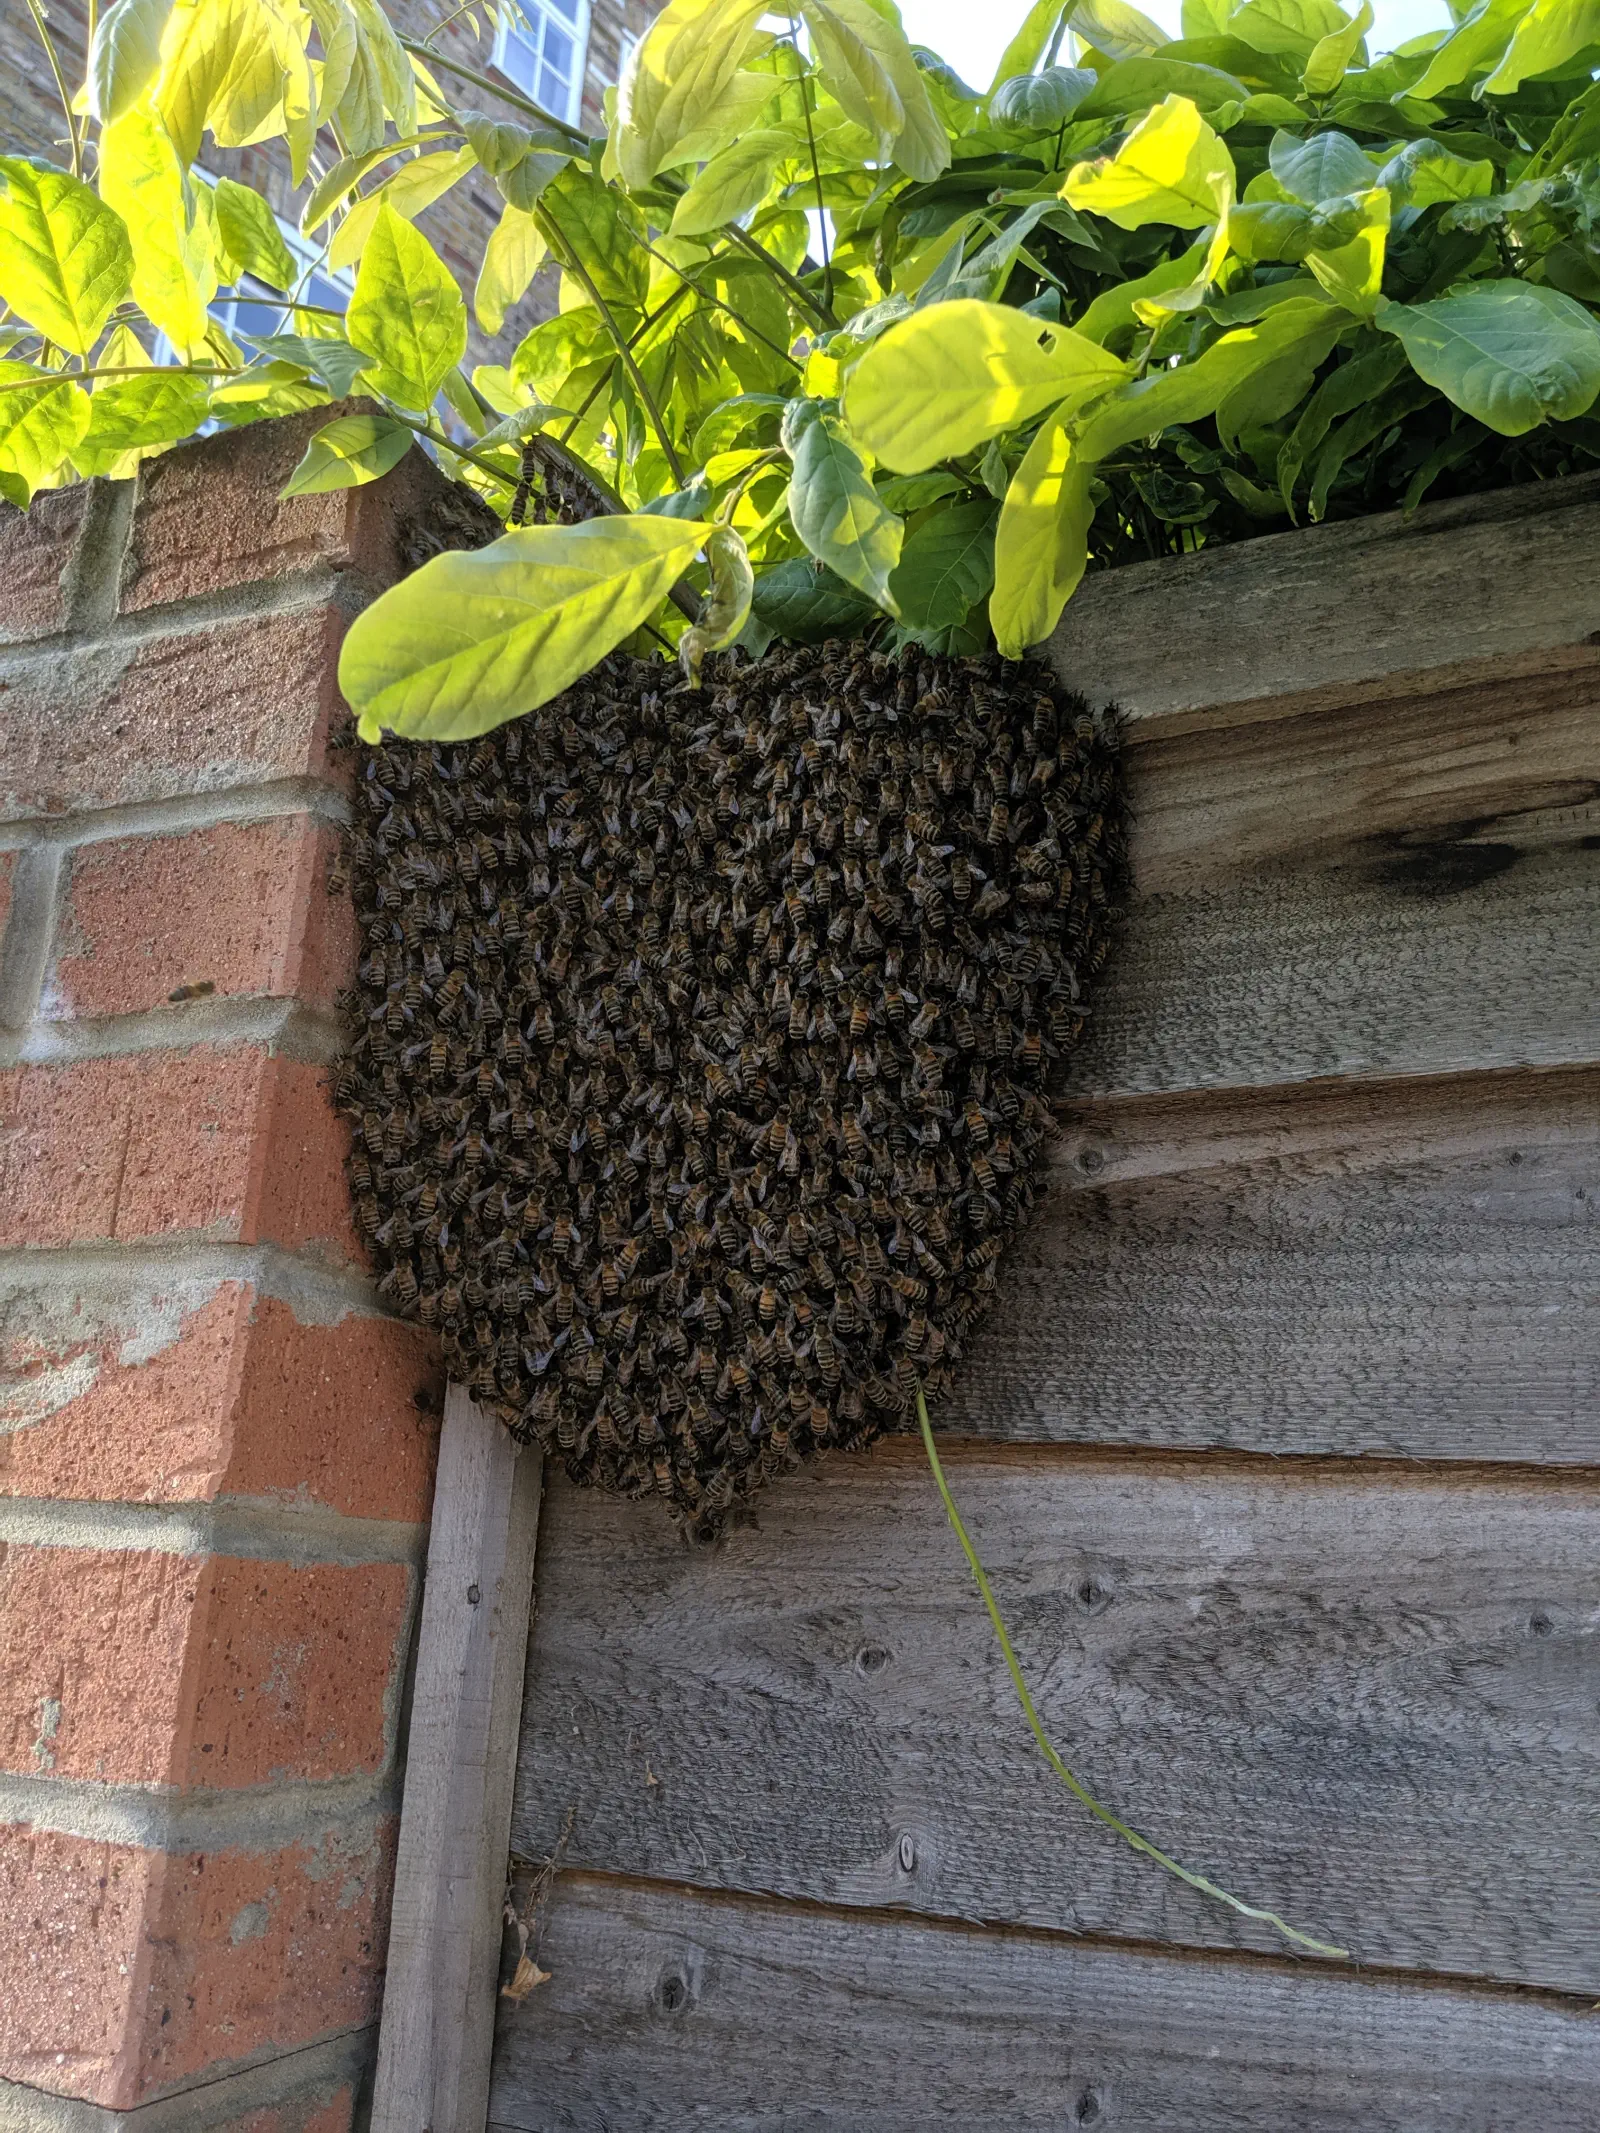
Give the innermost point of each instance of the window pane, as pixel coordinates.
(558, 50)
(519, 61)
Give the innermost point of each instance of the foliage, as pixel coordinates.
(1138, 295)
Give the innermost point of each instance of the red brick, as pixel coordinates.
(238, 909)
(36, 551)
(123, 1971)
(132, 1667)
(210, 515)
(207, 710)
(231, 1396)
(225, 1140)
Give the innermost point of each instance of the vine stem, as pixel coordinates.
(568, 255)
(816, 168)
(39, 23)
(1047, 1748)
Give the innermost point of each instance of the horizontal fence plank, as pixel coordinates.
(1422, 962)
(665, 2010)
(1407, 1269)
(1503, 582)
(1356, 1695)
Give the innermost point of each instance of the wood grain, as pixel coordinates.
(1393, 965)
(1502, 584)
(668, 2010)
(1361, 1696)
(1408, 1269)
(439, 1990)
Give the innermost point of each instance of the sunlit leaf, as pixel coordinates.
(732, 183)
(1293, 28)
(842, 32)
(249, 236)
(1167, 170)
(138, 414)
(334, 362)
(1320, 166)
(1029, 43)
(1116, 29)
(1426, 172)
(675, 74)
(514, 254)
(1333, 54)
(1550, 34)
(1471, 48)
(65, 258)
(42, 417)
(348, 452)
(125, 57)
(410, 189)
(174, 267)
(406, 313)
(471, 640)
(1510, 353)
(947, 379)
(1352, 273)
(1042, 541)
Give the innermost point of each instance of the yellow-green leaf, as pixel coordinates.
(1167, 170)
(946, 379)
(125, 57)
(220, 68)
(1116, 29)
(1551, 33)
(349, 452)
(248, 233)
(855, 75)
(174, 270)
(413, 187)
(678, 71)
(42, 416)
(1115, 309)
(1352, 273)
(734, 112)
(732, 182)
(1293, 28)
(1510, 353)
(406, 313)
(138, 415)
(472, 640)
(1030, 43)
(918, 141)
(1331, 55)
(1042, 543)
(1472, 47)
(514, 254)
(65, 259)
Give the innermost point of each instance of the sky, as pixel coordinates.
(971, 34)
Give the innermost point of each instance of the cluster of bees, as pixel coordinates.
(702, 1041)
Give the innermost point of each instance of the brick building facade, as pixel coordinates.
(458, 225)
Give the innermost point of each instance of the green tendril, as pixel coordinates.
(1047, 1747)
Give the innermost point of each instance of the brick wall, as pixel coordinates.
(215, 1450)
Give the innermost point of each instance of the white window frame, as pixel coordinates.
(509, 31)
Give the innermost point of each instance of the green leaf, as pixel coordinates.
(1548, 36)
(1331, 55)
(837, 512)
(805, 603)
(523, 184)
(332, 190)
(1471, 48)
(406, 313)
(726, 608)
(472, 640)
(1293, 27)
(863, 54)
(1205, 18)
(125, 57)
(1510, 353)
(349, 452)
(1303, 330)
(138, 414)
(1030, 43)
(947, 379)
(1041, 101)
(65, 259)
(1320, 166)
(42, 417)
(1352, 273)
(732, 183)
(250, 238)
(334, 362)
(1135, 84)
(1042, 541)
(1167, 170)
(1426, 172)
(678, 71)
(174, 268)
(514, 254)
(1116, 29)
(1355, 382)
(415, 185)
(500, 146)
(1113, 310)
(946, 566)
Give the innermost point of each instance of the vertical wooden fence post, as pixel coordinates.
(455, 1825)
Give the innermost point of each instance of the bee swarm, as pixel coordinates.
(702, 1041)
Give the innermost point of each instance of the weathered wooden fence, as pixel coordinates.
(1281, 1448)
